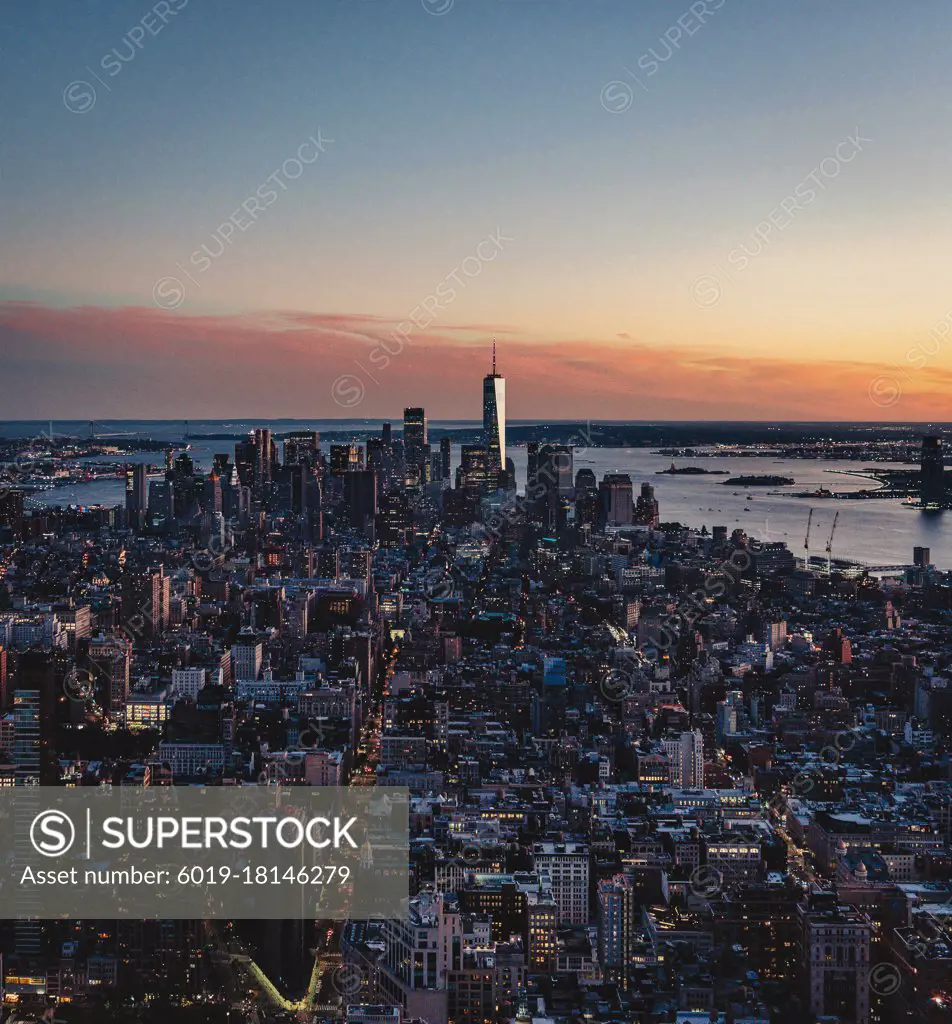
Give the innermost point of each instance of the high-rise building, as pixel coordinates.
(109, 661)
(415, 439)
(550, 485)
(473, 472)
(211, 493)
(162, 501)
(145, 599)
(4, 668)
(835, 959)
(360, 497)
(532, 469)
(921, 557)
(11, 511)
(554, 471)
(377, 459)
(615, 492)
(264, 458)
(345, 458)
(494, 418)
(932, 478)
(617, 922)
(137, 499)
(34, 720)
(395, 520)
(646, 508)
(585, 481)
(567, 865)
(246, 454)
(247, 656)
(301, 448)
(446, 461)
(685, 755)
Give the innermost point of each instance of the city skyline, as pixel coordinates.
(474, 512)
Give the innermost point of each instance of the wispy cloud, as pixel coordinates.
(146, 362)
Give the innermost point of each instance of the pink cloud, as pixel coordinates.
(135, 362)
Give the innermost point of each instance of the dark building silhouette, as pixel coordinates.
(446, 460)
(11, 511)
(646, 508)
(615, 494)
(360, 497)
(301, 448)
(416, 447)
(932, 475)
(137, 498)
(34, 719)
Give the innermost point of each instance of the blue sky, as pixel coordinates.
(489, 116)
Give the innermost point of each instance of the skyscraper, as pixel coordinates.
(646, 508)
(685, 755)
(554, 470)
(446, 461)
(553, 484)
(932, 478)
(301, 448)
(246, 457)
(34, 720)
(415, 438)
(346, 458)
(136, 495)
(494, 417)
(361, 497)
(473, 472)
(614, 493)
(264, 458)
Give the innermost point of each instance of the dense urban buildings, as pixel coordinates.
(655, 773)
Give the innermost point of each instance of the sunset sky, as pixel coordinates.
(745, 220)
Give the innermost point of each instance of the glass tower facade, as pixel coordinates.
(494, 417)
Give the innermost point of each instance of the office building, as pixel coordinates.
(473, 473)
(34, 719)
(137, 499)
(646, 508)
(834, 952)
(345, 458)
(109, 662)
(494, 419)
(618, 910)
(446, 461)
(685, 755)
(553, 473)
(932, 474)
(615, 500)
(265, 459)
(301, 448)
(360, 497)
(11, 511)
(567, 865)
(416, 445)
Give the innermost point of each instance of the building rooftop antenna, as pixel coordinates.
(494, 357)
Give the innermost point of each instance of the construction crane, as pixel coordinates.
(829, 547)
(806, 543)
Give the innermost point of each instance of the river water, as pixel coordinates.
(878, 532)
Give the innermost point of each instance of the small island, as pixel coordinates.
(674, 470)
(760, 481)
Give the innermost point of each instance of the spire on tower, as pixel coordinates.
(494, 357)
